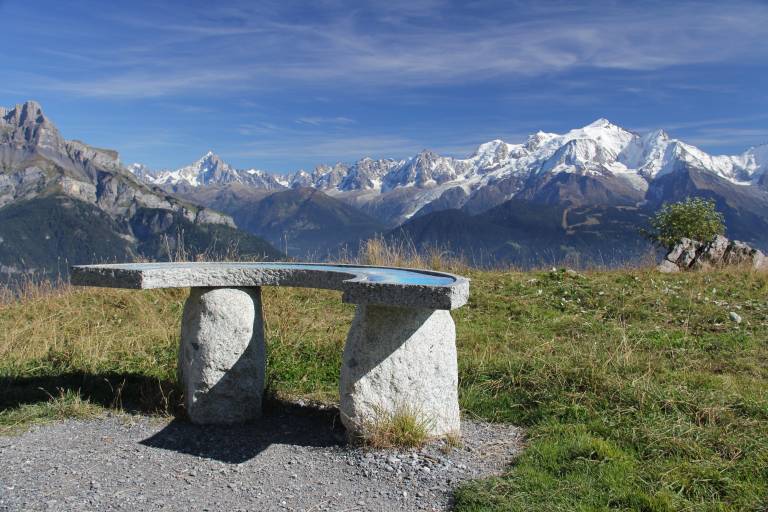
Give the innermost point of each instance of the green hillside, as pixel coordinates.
(47, 234)
(303, 222)
(637, 390)
(528, 234)
(214, 240)
(51, 232)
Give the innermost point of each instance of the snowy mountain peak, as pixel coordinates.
(600, 128)
(212, 160)
(656, 135)
(538, 139)
(495, 154)
(490, 147)
(756, 156)
(209, 169)
(142, 172)
(600, 123)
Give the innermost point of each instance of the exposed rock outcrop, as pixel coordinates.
(719, 252)
(64, 202)
(35, 159)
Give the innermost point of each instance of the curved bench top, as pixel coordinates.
(360, 284)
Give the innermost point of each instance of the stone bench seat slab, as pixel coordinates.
(359, 284)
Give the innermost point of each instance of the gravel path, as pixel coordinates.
(295, 459)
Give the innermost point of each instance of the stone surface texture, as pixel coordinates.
(360, 284)
(718, 252)
(667, 267)
(222, 356)
(400, 360)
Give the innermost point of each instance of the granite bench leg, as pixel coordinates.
(222, 355)
(400, 359)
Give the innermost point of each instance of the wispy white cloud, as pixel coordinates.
(319, 81)
(259, 128)
(189, 108)
(140, 84)
(189, 48)
(723, 122)
(719, 137)
(318, 121)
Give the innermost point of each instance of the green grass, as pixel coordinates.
(636, 390)
(67, 404)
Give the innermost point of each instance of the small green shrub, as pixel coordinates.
(695, 218)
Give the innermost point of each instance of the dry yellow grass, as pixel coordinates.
(123, 343)
(404, 427)
(378, 251)
(89, 328)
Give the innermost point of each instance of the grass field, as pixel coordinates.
(637, 390)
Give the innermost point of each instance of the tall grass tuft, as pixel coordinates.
(380, 251)
(405, 427)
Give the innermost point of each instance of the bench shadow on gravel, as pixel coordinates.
(282, 423)
(133, 393)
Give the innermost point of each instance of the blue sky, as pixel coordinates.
(282, 85)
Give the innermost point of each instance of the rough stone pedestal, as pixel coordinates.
(400, 359)
(222, 356)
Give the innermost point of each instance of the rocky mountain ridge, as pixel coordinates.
(36, 159)
(63, 200)
(598, 164)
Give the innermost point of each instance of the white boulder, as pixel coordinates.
(716, 253)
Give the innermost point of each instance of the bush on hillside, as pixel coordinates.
(695, 218)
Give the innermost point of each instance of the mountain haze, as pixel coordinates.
(302, 221)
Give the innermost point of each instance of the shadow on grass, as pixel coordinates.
(129, 392)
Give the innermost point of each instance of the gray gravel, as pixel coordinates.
(296, 458)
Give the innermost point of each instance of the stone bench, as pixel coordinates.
(400, 352)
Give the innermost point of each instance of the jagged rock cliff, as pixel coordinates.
(80, 191)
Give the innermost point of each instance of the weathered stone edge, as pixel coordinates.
(411, 296)
(355, 290)
(87, 275)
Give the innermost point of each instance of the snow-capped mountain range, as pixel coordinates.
(622, 162)
(208, 170)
